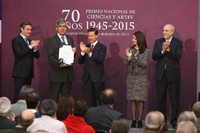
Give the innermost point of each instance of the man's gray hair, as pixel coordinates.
(154, 120)
(186, 127)
(187, 116)
(196, 109)
(48, 107)
(120, 125)
(24, 91)
(60, 21)
(4, 106)
(172, 28)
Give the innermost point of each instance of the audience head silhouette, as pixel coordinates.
(108, 96)
(48, 107)
(80, 108)
(26, 118)
(4, 106)
(187, 116)
(196, 109)
(24, 91)
(32, 100)
(154, 120)
(65, 107)
(119, 125)
(186, 127)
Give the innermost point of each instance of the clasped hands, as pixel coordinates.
(165, 47)
(129, 54)
(35, 43)
(84, 49)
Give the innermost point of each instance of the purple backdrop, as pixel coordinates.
(117, 20)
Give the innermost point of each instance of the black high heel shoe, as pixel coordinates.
(133, 125)
(140, 125)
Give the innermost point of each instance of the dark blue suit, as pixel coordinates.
(6, 123)
(101, 117)
(23, 70)
(168, 78)
(94, 75)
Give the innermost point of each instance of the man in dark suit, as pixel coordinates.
(60, 75)
(26, 118)
(24, 50)
(94, 77)
(101, 117)
(168, 51)
(4, 109)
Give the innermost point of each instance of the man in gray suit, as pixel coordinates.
(60, 75)
(20, 105)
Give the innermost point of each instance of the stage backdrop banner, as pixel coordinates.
(116, 21)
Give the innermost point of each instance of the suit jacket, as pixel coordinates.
(57, 74)
(14, 130)
(24, 64)
(18, 107)
(101, 117)
(6, 123)
(171, 59)
(48, 124)
(94, 64)
(198, 125)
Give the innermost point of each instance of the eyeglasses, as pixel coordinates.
(60, 26)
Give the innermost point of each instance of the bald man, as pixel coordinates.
(167, 52)
(25, 119)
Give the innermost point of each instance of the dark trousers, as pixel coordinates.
(59, 87)
(94, 90)
(173, 89)
(19, 83)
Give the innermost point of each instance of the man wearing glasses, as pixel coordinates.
(60, 75)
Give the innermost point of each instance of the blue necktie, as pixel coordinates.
(26, 40)
(63, 40)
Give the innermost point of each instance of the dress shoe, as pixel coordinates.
(133, 125)
(165, 127)
(174, 126)
(140, 125)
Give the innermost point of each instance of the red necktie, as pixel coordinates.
(92, 48)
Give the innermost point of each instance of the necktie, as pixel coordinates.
(26, 40)
(92, 48)
(63, 40)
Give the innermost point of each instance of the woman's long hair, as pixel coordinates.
(65, 107)
(141, 41)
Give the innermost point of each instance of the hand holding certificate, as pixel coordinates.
(66, 54)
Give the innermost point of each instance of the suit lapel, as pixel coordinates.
(96, 47)
(23, 41)
(58, 41)
(68, 40)
(172, 43)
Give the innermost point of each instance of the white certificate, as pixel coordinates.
(66, 53)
